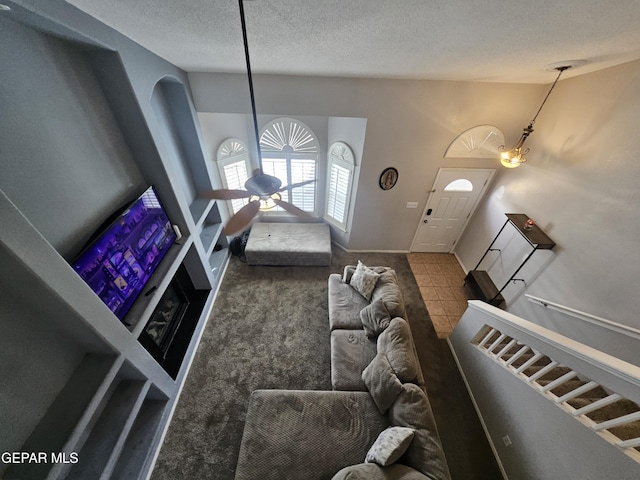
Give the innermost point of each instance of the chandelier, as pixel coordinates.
(516, 156)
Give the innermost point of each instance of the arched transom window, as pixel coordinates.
(290, 152)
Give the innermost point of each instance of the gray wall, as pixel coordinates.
(59, 140)
(581, 185)
(409, 126)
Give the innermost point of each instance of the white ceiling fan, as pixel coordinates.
(261, 189)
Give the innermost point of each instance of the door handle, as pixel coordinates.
(429, 211)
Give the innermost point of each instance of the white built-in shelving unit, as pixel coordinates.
(74, 379)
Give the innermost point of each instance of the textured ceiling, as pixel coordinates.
(475, 40)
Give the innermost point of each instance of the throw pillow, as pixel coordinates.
(382, 383)
(390, 445)
(371, 471)
(364, 280)
(397, 343)
(375, 318)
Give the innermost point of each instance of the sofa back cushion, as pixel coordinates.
(375, 318)
(396, 343)
(382, 383)
(413, 410)
(388, 290)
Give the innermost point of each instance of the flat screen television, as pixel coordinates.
(120, 261)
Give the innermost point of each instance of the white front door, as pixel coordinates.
(452, 199)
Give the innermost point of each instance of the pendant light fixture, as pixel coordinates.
(516, 156)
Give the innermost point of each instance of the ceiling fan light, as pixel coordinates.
(268, 202)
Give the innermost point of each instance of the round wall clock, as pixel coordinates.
(388, 178)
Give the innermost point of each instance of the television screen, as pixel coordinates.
(119, 263)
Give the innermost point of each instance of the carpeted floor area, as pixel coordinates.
(269, 328)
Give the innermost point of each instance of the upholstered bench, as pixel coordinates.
(302, 244)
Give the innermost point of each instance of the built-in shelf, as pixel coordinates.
(157, 284)
(98, 454)
(80, 382)
(199, 209)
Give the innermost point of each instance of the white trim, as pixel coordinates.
(614, 366)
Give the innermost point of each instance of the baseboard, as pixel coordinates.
(370, 251)
(478, 412)
(460, 263)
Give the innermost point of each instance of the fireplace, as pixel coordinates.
(167, 334)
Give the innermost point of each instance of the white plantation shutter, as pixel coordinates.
(233, 164)
(339, 178)
(341, 166)
(303, 197)
(290, 152)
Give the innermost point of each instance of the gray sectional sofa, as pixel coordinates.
(376, 423)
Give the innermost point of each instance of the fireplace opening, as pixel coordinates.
(167, 334)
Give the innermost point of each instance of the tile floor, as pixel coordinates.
(441, 279)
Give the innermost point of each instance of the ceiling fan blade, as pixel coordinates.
(302, 215)
(242, 218)
(225, 194)
(296, 185)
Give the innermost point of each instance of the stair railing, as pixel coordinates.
(597, 389)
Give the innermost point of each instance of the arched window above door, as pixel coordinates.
(477, 142)
(459, 185)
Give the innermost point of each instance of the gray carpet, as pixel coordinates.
(269, 329)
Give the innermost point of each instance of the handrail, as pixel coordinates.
(602, 322)
(564, 371)
(623, 377)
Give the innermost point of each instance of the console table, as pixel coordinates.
(480, 284)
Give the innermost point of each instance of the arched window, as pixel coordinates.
(339, 183)
(233, 165)
(290, 152)
(459, 185)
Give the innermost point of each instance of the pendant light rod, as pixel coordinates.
(516, 156)
(560, 70)
(251, 94)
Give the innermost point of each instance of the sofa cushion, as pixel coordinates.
(397, 343)
(344, 304)
(371, 471)
(306, 433)
(388, 290)
(364, 280)
(351, 352)
(413, 410)
(375, 318)
(382, 383)
(389, 446)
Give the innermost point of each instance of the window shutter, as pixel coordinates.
(339, 184)
(235, 175)
(338, 193)
(233, 165)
